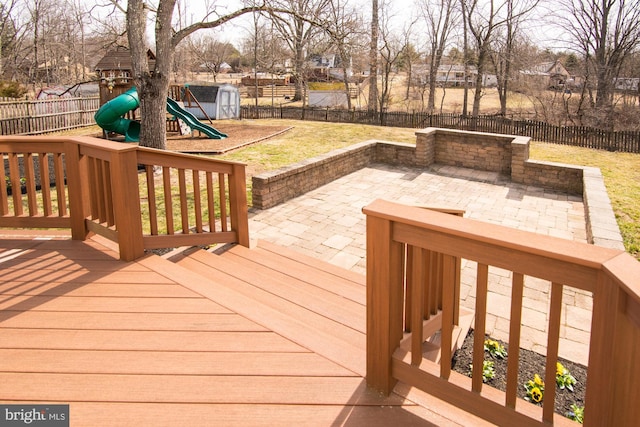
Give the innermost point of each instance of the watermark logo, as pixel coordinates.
(34, 415)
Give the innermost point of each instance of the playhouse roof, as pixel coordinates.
(121, 60)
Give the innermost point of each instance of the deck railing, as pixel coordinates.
(412, 253)
(93, 185)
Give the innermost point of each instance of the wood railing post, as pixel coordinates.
(238, 204)
(126, 203)
(384, 302)
(77, 185)
(599, 394)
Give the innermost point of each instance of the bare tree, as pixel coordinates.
(344, 29)
(265, 51)
(605, 32)
(9, 34)
(391, 50)
(440, 17)
(504, 52)
(410, 57)
(153, 84)
(483, 19)
(299, 26)
(465, 56)
(211, 54)
(81, 18)
(109, 31)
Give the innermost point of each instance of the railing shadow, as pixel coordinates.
(27, 283)
(367, 407)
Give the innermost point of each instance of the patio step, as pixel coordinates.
(316, 305)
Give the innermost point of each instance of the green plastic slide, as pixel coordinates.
(192, 121)
(109, 117)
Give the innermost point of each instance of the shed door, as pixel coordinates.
(228, 104)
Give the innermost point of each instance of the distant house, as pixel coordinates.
(328, 66)
(627, 84)
(223, 68)
(551, 75)
(452, 75)
(60, 70)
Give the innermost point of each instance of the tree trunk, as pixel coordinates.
(433, 74)
(482, 56)
(152, 85)
(465, 58)
(345, 80)
(373, 59)
(299, 48)
(153, 98)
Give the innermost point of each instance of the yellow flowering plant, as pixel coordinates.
(564, 379)
(535, 389)
(495, 349)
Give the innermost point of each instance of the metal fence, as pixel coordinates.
(581, 136)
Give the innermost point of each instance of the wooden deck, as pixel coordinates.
(258, 336)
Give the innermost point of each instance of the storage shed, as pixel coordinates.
(220, 101)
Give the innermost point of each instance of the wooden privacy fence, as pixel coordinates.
(581, 136)
(404, 282)
(47, 115)
(138, 197)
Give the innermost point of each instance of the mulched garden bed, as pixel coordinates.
(531, 363)
(238, 136)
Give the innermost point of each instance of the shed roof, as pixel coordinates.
(209, 93)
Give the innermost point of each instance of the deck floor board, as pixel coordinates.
(137, 321)
(163, 343)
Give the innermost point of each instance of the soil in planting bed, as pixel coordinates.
(530, 363)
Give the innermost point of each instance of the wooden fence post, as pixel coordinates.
(126, 203)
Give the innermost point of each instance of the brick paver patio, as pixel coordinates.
(327, 223)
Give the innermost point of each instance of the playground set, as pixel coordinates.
(119, 101)
(111, 117)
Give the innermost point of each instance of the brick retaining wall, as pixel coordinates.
(275, 187)
(505, 154)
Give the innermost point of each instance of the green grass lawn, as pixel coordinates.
(621, 172)
(310, 139)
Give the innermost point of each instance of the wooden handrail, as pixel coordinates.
(97, 190)
(611, 276)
